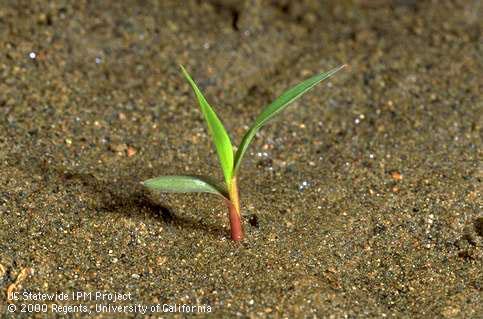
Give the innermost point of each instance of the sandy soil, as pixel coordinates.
(362, 201)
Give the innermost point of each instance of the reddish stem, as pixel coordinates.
(234, 209)
(235, 222)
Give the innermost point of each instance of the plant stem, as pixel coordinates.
(234, 209)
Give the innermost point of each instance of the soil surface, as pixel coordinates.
(363, 200)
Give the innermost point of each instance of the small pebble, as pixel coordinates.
(303, 185)
(131, 151)
(397, 176)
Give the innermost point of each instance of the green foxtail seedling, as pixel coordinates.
(230, 161)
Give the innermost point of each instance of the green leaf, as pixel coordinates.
(217, 131)
(275, 108)
(185, 184)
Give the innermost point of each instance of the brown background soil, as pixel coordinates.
(363, 199)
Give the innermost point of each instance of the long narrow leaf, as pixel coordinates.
(217, 130)
(276, 107)
(185, 184)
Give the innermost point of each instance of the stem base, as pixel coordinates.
(235, 223)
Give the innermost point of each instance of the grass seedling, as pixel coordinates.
(230, 161)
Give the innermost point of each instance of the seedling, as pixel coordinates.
(230, 161)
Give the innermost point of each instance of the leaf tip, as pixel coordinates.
(340, 67)
(183, 70)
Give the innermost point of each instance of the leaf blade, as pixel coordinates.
(185, 184)
(276, 107)
(220, 137)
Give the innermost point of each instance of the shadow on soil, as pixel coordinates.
(131, 199)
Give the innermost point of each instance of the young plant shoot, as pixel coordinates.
(229, 160)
